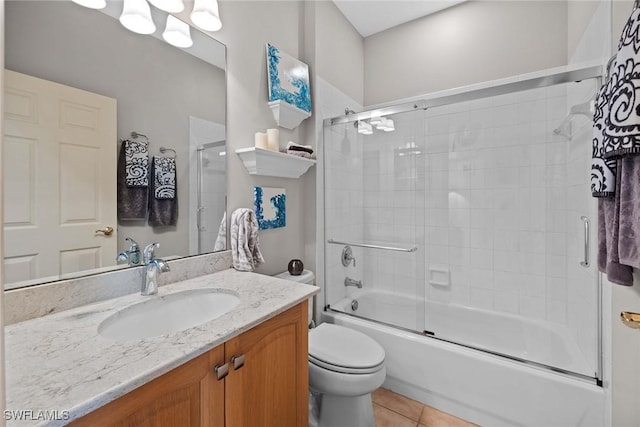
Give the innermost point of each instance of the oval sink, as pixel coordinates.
(167, 314)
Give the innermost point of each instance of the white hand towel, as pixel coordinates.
(245, 248)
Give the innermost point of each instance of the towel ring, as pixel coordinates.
(164, 149)
(135, 135)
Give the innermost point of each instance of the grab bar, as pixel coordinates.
(364, 245)
(587, 243)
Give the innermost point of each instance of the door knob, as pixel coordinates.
(630, 319)
(107, 231)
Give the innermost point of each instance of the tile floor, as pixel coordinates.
(394, 410)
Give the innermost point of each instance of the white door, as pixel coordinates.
(59, 178)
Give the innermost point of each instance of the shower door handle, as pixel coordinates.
(587, 243)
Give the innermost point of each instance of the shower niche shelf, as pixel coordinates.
(271, 163)
(287, 115)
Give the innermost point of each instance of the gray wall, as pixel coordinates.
(579, 14)
(247, 27)
(156, 85)
(319, 35)
(469, 43)
(339, 50)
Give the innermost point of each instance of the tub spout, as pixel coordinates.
(351, 282)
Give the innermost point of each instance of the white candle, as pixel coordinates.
(273, 139)
(261, 140)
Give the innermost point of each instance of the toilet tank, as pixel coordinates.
(305, 277)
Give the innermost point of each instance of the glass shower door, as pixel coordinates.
(373, 208)
(504, 199)
(212, 197)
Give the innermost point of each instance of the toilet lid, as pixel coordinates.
(344, 350)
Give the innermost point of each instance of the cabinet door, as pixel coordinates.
(271, 388)
(188, 396)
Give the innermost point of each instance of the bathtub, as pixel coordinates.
(474, 385)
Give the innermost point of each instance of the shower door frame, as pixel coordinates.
(536, 80)
(200, 149)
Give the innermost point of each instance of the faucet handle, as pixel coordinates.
(123, 256)
(149, 252)
(133, 245)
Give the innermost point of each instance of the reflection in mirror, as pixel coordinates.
(77, 84)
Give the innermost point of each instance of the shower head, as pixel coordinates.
(585, 109)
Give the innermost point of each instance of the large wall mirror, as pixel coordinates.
(77, 84)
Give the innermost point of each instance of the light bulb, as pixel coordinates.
(136, 17)
(177, 33)
(205, 15)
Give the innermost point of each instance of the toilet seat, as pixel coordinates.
(344, 350)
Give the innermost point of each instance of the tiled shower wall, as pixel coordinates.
(496, 188)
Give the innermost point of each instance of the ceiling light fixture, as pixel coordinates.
(171, 6)
(205, 15)
(177, 33)
(389, 126)
(136, 17)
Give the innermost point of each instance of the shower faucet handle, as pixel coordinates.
(347, 256)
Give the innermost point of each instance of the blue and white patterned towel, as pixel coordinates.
(165, 177)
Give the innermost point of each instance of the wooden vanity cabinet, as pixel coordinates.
(267, 384)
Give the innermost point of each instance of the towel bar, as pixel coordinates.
(365, 245)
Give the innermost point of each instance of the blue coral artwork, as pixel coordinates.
(270, 207)
(288, 79)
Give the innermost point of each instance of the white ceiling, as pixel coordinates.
(372, 16)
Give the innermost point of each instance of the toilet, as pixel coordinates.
(345, 366)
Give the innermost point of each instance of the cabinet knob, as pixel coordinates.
(238, 362)
(221, 371)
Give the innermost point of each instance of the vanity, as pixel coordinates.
(247, 366)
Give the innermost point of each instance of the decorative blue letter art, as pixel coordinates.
(288, 79)
(270, 207)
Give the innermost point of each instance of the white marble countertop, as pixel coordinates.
(59, 363)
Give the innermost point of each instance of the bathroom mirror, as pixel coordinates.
(78, 84)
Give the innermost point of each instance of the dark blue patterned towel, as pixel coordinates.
(136, 158)
(622, 123)
(164, 177)
(603, 171)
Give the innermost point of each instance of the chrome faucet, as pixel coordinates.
(351, 282)
(152, 269)
(131, 255)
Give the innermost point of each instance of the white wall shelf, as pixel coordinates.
(287, 115)
(272, 163)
